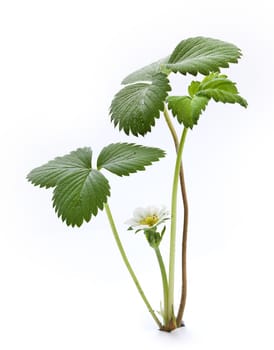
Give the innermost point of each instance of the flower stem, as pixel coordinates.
(173, 224)
(164, 281)
(128, 266)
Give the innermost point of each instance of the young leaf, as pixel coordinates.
(79, 190)
(187, 109)
(135, 107)
(126, 158)
(146, 73)
(202, 55)
(221, 89)
(181, 108)
(193, 88)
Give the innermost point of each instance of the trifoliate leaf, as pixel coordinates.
(202, 55)
(79, 190)
(146, 73)
(221, 89)
(135, 107)
(126, 158)
(187, 109)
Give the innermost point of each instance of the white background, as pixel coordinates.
(61, 63)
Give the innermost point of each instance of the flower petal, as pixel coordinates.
(139, 213)
(131, 222)
(152, 210)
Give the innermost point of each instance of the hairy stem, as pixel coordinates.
(164, 281)
(173, 224)
(185, 225)
(128, 266)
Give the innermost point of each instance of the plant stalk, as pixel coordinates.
(164, 281)
(171, 129)
(128, 266)
(180, 313)
(185, 225)
(173, 225)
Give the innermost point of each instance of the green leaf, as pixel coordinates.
(146, 73)
(192, 55)
(181, 108)
(193, 88)
(187, 109)
(198, 105)
(126, 158)
(221, 89)
(79, 190)
(223, 96)
(202, 55)
(49, 174)
(135, 107)
(217, 81)
(79, 196)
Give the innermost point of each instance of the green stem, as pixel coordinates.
(164, 281)
(173, 225)
(185, 226)
(130, 270)
(171, 128)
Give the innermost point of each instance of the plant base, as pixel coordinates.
(171, 326)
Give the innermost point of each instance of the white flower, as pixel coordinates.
(148, 217)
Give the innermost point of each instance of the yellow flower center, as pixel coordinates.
(149, 220)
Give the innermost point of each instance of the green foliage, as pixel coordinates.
(221, 89)
(193, 88)
(80, 195)
(188, 109)
(193, 55)
(126, 158)
(49, 174)
(79, 190)
(135, 107)
(147, 73)
(202, 55)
